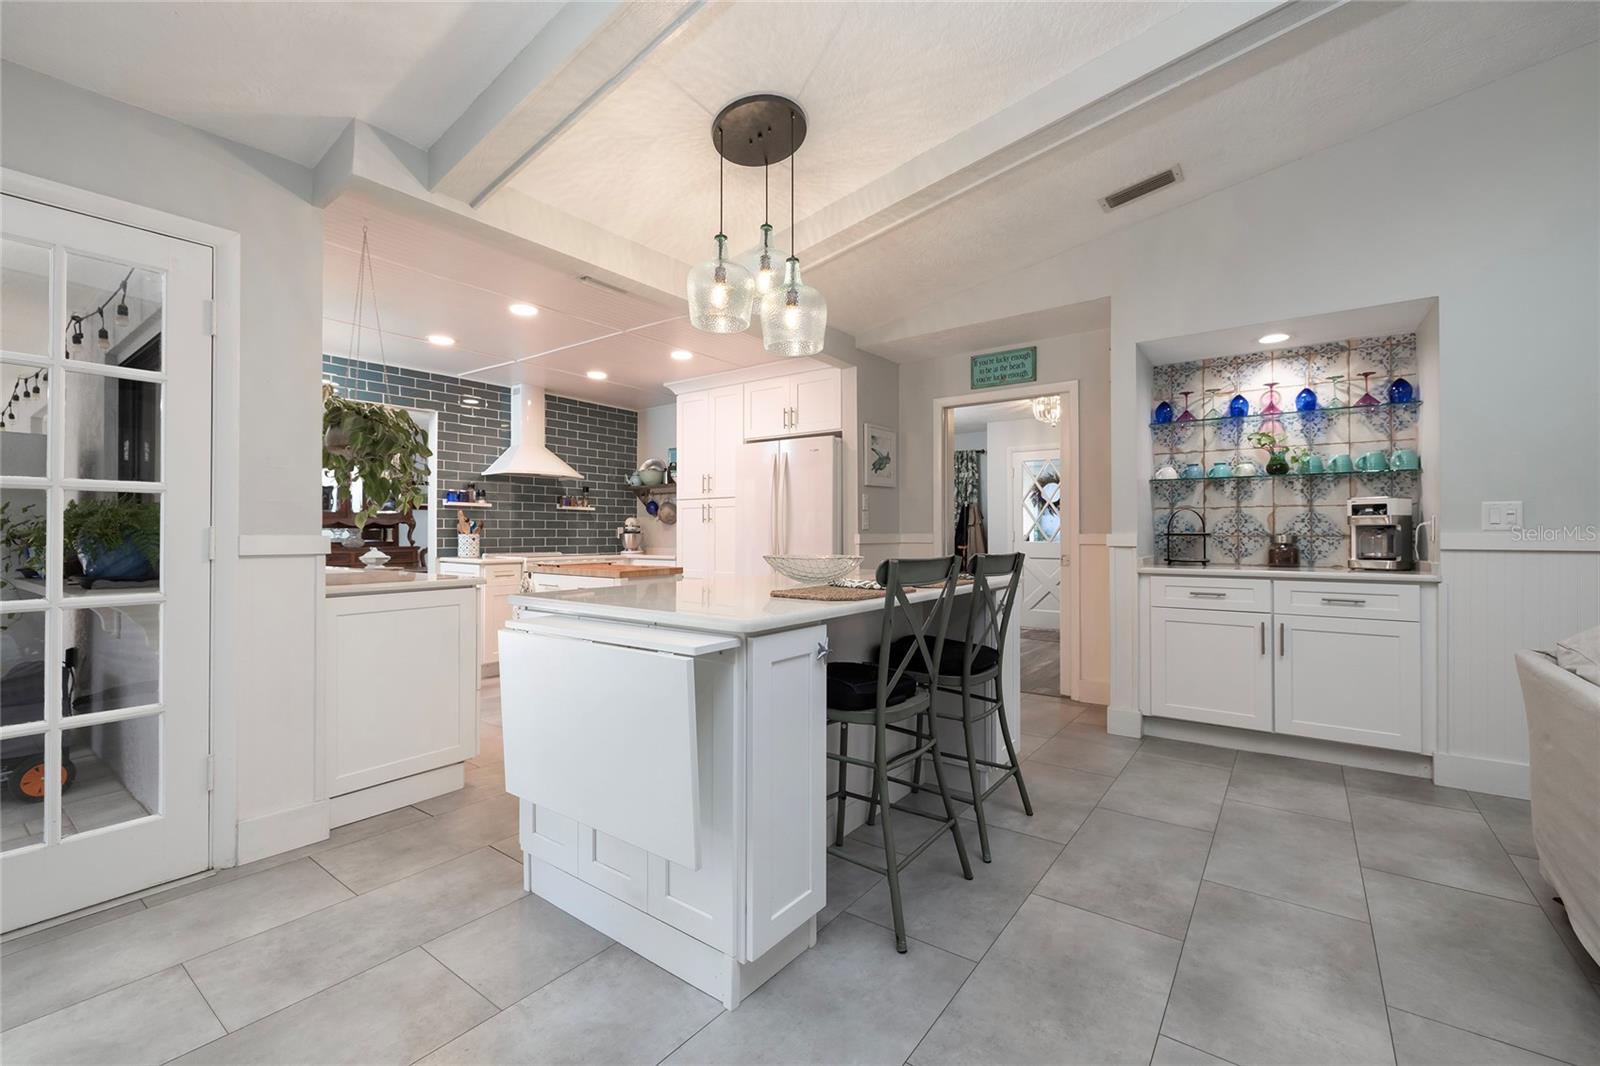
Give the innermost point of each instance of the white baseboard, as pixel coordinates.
(283, 831)
(1124, 722)
(392, 795)
(1394, 762)
(1496, 776)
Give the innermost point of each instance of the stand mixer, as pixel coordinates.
(630, 537)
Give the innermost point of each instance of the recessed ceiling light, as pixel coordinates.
(524, 310)
(682, 355)
(597, 375)
(1273, 338)
(441, 340)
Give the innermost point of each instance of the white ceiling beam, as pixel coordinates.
(574, 61)
(1198, 38)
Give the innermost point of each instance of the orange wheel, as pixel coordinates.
(30, 783)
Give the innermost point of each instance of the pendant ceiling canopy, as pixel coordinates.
(756, 130)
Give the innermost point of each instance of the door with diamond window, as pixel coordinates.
(1035, 524)
(105, 601)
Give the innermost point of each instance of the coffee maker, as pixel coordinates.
(1381, 533)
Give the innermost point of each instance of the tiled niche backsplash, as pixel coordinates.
(1242, 513)
(601, 442)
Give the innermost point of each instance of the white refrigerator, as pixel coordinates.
(789, 500)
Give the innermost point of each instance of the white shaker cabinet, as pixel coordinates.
(710, 430)
(795, 405)
(1211, 666)
(501, 581)
(1358, 681)
(708, 538)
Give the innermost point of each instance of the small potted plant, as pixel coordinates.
(114, 539)
(22, 539)
(1276, 448)
(380, 446)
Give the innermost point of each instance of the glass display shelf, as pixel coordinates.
(1282, 477)
(1287, 413)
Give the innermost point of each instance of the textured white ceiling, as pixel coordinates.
(282, 77)
(1352, 71)
(880, 83)
(431, 278)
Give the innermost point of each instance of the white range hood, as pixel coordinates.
(527, 454)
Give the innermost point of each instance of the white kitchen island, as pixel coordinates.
(668, 740)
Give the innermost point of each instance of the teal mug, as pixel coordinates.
(1220, 470)
(1311, 464)
(1404, 459)
(1193, 471)
(1339, 464)
(1372, 463)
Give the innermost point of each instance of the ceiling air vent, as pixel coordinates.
(590, 279)
(1128, 194)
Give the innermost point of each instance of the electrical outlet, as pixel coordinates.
(1502, 515)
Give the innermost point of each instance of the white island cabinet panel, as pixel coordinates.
(1352, 680)
(581, 736)
(1211, 666)
(787, 781)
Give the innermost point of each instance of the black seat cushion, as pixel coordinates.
(854, 687)
(950, 659)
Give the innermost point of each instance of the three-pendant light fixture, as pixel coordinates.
(724, 294)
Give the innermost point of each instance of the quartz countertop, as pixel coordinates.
(740, 607)
(1423, 575)
(344, 581)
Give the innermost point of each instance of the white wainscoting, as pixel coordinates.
(1495, 603)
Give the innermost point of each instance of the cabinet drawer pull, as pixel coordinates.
(1280, 640)
(1338, 601)
(1208, 595)
(1263, 638)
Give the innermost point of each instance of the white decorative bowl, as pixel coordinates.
(823, 568)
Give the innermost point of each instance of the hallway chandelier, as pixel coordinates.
(757, 131)
(1047, 409)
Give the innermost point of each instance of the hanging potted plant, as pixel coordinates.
(114, 539)
(379, 446)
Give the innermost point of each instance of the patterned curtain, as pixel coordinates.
(967, 487)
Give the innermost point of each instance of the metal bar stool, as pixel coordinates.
(965, 666)
(882, 695)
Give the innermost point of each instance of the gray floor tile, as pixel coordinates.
(909, 829)
(1133, 869)
(149, 1021)
(523, 946)
(1270, 787)
(1425, 1042)
(1090, 714)
(1437, 844)
(1086, 747)
(511, 847)
(482, 783)
(1288, 766)
(850, 999)
(250, 979)
(1267, 981)
(376, 861)
(344, 834)
(1026, 745)
(1061, 798)
(615, 1008)
(22, 940)
(1060, 985)
(392, 1013)
(1044, 716)
(1295, 857)
(1545, 895)
(1486, 965)
(847, 883)
(1406, 787)
(1185, 751)
(1171, 1053)
(1511, 820)
(1167, 790)
(944, 909)
(69, 970)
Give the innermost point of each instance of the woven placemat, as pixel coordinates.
(839, 593)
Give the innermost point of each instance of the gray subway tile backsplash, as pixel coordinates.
(600, 441)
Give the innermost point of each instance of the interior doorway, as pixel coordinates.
(1008, 479)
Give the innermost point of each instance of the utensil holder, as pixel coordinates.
(467, 546)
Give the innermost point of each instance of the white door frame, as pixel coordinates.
(225, 398)
(1071, 464)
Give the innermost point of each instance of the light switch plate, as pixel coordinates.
(1502, 515)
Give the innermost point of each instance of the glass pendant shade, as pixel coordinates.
(793, 317)
(1047, 409)
(767, 265)
(721, 294)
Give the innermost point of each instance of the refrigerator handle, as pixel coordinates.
(772, 506)
(783, 506)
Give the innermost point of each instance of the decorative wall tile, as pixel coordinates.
(601, 442)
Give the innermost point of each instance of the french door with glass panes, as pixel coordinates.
(105, 602)
(1036, 533)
